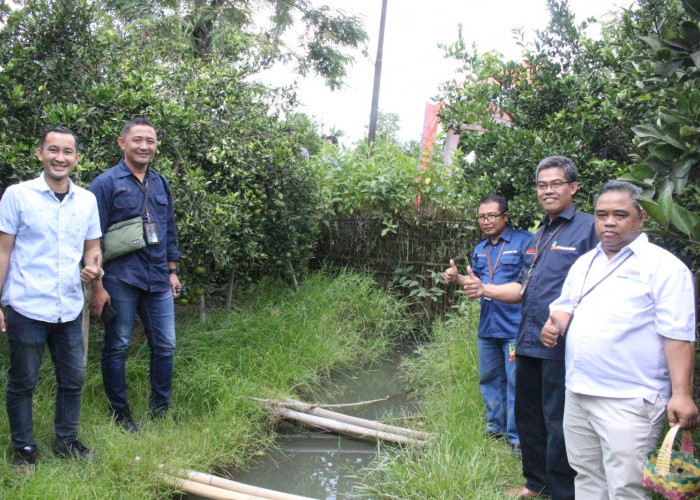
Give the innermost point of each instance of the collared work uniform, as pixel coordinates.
(539, 386)
(498, 326)
(617, 375)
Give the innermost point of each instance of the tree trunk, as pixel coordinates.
(229, 289)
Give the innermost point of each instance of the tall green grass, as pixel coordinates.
(276, 344)
(461, 462)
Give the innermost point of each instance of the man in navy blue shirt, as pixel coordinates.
(497, 259)
(144, 281)
(564, 235)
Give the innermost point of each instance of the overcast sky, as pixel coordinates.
(413, 65)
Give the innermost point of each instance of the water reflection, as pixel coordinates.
(323, 465)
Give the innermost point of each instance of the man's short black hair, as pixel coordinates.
(502, 202)
(566, 164)
(626, 187)
(332, 138)
(136, 120)
(59, 129)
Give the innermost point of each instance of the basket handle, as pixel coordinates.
(663, 462)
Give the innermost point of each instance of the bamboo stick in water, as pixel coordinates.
(342, 427)
(227, 484)
(322, 412)
(207, 491)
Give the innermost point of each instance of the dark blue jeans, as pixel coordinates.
(157, 313)
(539, 414)
(27, 338)
(497, 385)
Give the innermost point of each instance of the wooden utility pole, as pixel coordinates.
(377, 78)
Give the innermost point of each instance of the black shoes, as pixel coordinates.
(25, 461)
(123, 419)
(74, 449)
(162, 413)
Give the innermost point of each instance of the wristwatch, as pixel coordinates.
(174, 270)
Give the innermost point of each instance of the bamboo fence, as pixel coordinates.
(417, 248)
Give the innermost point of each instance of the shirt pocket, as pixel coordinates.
(161, 206)
(126, 206)
(509, 268)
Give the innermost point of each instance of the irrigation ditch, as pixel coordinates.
(314, 460)
(310, 461)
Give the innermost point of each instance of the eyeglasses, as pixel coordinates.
(489, 217)
(542, 186)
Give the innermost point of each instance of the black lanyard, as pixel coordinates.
(526, 281)
(143, 186)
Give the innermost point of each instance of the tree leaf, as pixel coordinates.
(647, 131)
(684, 220)
(666, 200)
(665, 152)
(654, 211)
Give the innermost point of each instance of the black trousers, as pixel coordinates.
(539, 414)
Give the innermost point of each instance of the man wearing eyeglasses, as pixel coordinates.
(497, 259)
(565, 234)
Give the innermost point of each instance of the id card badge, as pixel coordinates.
(151, 232)
(526, 282)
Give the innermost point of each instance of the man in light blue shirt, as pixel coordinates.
(46, 226)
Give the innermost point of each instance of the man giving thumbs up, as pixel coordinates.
(497, 260)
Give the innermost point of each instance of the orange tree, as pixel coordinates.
(569, 94)
(669, 161)
(243, 200)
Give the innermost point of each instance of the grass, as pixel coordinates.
(461, 463)
(276, 344)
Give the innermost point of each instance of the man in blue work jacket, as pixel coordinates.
(144, 281)
(565, 234)
(497, 259)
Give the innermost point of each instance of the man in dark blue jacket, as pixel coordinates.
(144, 281)
(564, 235)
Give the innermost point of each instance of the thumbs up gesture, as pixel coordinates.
(554, 328)
(472, 285)
(451, 273)
(91, 272)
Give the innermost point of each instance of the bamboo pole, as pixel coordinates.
(362, 422)
(229, 289)
(86, 321)
(342, 427)
(206, 491)
(227, 484)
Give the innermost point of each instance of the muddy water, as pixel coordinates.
(322, 465)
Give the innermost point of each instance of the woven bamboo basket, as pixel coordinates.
(673, 474)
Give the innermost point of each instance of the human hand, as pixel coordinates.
(175, 285)
(551, 331)
(472, 285)
(451, 273)
(90, 273)
(2, 321)
(98, 299)
(682, 410)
